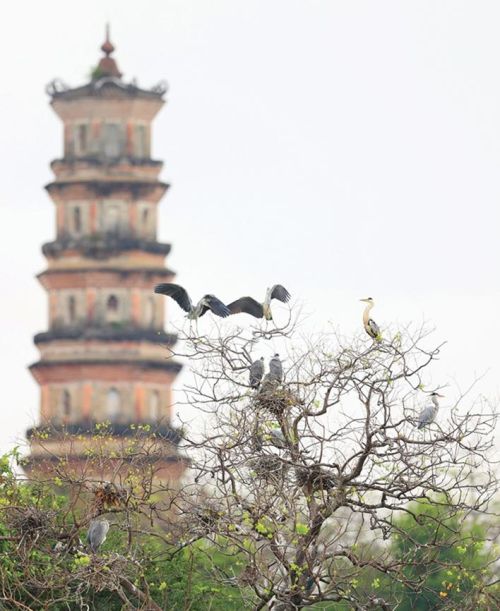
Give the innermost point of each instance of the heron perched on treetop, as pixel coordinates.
(429, 413)
(260, 310)
(180, 295)
(369, 324)
(276, 368)
(96, 536)
(256, 372)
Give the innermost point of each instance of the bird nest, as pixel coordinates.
(276, 400)
(31, 522)
(268, 467)
(314, 477)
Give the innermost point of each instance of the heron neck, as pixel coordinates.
(366, 313)
(435, 401)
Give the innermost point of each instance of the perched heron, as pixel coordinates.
(180, 295)
(96, 536)
(268, 385)
(260, 310)
(256, 372)
(276, 368)
(277, 438)
(369, 324)
(429, 413)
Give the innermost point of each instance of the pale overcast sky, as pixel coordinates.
(344, 149)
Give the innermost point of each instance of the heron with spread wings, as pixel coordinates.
(251, 306)
(206, 303)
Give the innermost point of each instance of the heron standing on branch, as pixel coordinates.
(180, 295)
(369, 324)
(249, 305)
(96, 536)
(429, 413)
(256, 372)
(276, 368)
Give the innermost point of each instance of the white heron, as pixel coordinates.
(429, 413)
(180, 295)
(369, 324)
(96, 536)
(249, 305)
(256, 372)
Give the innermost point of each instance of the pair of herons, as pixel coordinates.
(248, 305)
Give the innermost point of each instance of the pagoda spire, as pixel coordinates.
(107, 65)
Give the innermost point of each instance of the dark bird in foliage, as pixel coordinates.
(260, 310)
(369, 324)
(256, 372)
(276, 368)
(429, 413)
(96, 536)
(180, 295)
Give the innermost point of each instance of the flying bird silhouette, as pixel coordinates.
(249, 305)
(180, 295)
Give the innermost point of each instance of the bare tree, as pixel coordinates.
(305, 480)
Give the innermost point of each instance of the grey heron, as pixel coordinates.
(276, 368)
(180, 295)
(256, 372)
(260, 310)
(277, 438)
(96, 536)
(369, 324)
(429, 413)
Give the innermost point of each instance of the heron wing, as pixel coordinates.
(426, 416)
(280, 293)
(210, 302)
(178, 294)
(374, 328)
(247, 305)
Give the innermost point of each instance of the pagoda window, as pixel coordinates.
(81, 136)
(149, 312)
(66, 403)
(113, 140)
(71, 309)
(77, 220)
(112, 309)
(113, 402)
(154, 406)
(111, 218)
(140, 142)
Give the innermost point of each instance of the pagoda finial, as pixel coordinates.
(107, 45)
(107, 65)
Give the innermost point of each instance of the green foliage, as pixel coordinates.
(453, 570)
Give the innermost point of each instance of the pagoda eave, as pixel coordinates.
(110, 185)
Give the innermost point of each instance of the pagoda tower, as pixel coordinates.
(104, 356)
